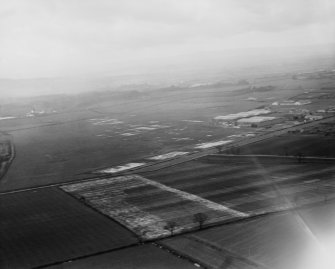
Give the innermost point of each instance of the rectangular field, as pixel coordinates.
(46, 226)
(252, 185)
(139, 257)
(276, 242)
(317, 145)
(146, 207)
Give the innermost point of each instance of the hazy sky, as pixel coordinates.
(70, 37)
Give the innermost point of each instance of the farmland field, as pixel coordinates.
(67, 151)
(277, 242)
(46, 226)
(167, 134)
(147, 207)
(251, 185)
(67, 146)
(292, 144)
(285, 240)
(141, 257)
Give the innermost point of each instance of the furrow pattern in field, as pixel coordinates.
(125, 199)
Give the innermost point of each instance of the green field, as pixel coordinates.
(46, 226)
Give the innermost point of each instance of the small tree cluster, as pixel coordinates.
(170, 226)
(200, 218)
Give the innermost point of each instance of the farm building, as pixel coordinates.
(259, 121)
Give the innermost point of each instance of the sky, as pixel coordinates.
(46, 38)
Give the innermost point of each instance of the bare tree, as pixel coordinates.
(200, 218)
(170, 226)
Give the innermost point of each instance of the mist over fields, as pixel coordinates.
(202, 67)
(61, 46)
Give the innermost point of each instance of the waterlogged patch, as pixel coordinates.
(105, 121)
(212, 144)
(250, 113)
(159, 126)
(122, 168)
(168, 155)
(128, 134)
(143, 128)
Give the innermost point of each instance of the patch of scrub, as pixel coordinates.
(212, 144)
(146, 206)
(168, 155)
(121, 168)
